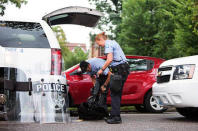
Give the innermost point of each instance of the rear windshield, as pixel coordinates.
(22, 35)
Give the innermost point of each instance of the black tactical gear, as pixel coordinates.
(95, 108)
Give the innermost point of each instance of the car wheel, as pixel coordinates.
(140, 108)
(151, 105)
(189, 112)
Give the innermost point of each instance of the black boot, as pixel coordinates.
(114, 120)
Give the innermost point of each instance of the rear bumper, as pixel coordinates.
(177, 93)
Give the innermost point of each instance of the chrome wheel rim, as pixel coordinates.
(154, 104)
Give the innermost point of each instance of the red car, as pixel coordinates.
(137, 89)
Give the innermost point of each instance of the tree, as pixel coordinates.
(164, 38)
(112, 10)
(140, 21)
(186, 36)
(17, 3)
(159, 28)
(60, 35)
(75, 57)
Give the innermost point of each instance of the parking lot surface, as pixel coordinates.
(168, 121)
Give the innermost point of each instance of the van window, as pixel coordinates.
(22, 35)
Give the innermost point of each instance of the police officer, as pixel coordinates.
(117, 63)
(92, 66)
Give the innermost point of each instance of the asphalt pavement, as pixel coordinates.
(168, 121)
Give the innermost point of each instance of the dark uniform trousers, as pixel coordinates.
(121, 70)
(102, 98)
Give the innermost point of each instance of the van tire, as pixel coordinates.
(188, 112)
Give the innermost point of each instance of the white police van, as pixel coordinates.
(31, 85)
(177, 85)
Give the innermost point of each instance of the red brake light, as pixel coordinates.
(56, 63)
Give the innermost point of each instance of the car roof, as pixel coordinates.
(145, 57)
(20, 19)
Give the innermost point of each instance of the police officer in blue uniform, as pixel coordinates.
(117, 63)
(92, 66)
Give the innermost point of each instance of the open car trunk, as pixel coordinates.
(73, 15)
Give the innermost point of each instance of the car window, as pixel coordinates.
(22, 35)
(78, 72)
(140, 64)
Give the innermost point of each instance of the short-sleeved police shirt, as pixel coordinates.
(96, 65)
(112, 46)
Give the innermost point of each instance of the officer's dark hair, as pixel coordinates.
(83, 66)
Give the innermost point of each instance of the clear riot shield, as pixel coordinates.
(26, 99)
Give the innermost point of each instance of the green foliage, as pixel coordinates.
(186, 36)
(75, 57)
(160, 28)
(70, 58)
(17, 3)
(195, 16)
(60, 35)
(140, 22)
(112, 10)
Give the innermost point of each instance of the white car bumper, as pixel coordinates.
(178, 93)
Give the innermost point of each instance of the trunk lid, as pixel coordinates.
(73, 15)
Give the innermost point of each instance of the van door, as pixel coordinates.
(73, 15)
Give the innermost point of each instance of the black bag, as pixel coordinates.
(94, 108)
(116, 83)
(95, 112)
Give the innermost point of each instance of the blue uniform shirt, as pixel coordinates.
(112, 46)
(96, 65)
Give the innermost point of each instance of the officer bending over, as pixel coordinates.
(92, 66)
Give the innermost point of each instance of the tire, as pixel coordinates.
(190, 112)
(140, 108)
(151, 105)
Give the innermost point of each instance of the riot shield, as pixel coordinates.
(28, 99)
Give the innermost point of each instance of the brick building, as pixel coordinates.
(71, 46)
(96, 51)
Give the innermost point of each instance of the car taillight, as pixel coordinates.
(56, 64)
